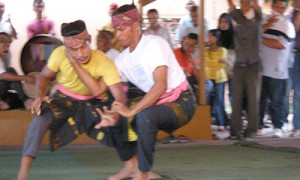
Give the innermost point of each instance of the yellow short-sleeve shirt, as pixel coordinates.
(99, 66)
(214, 69)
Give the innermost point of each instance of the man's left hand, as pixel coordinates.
(108, 118)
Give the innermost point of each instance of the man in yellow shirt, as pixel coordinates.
(82, 75)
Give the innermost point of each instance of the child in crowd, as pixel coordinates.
(215, 64)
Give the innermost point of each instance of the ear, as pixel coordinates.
(136, 25)
(90, 39)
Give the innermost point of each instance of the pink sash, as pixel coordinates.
(174, 94)
(74, 95)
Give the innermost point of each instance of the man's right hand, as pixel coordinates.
(37, 103)
(30, 79)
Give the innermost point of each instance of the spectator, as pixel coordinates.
(104, 43)
(215, 63)
(10, 80)
(41, 25)
(189, 63)
(157, 29)
(189, 24)
(278, 37)
(108, 27)
(246, 79)
(5, 22)
(296, 69)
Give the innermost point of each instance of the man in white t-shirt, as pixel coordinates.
(189, 24)
(278, 36)
(155, 28)
(5, 22)
(149, 63)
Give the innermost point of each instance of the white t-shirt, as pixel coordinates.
(112, 54)
(151, 52)
(276, 61)
(162, 32)
(5, 26)
(186, 26)
(2, 66)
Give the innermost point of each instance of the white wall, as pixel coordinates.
(94, 13)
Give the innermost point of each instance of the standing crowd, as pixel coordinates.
(117, 93)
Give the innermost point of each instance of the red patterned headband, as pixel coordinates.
(126, 18)
(77, 39)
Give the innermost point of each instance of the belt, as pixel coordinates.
(296, 50)
(240, 64)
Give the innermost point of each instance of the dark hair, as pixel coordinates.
(124, 8)
(193, 36)
(37, 2)
(73, 28)
(227, 36)
(275, 1)
(152, 11)
(194, 9)
(106, 35)
(217, 34)
(5, 38)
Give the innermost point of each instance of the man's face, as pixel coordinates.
(81, 52)
(296, 4)
(102, 43)
(189, 45)
(2, 8)
(212, 39)
(279, 7)
(124, 34)
(153, 17)
(194, 16)
(223, 24)
(38, 8)
(4, 47)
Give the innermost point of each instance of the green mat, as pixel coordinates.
(241, 161)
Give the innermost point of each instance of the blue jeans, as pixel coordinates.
(287, 99)
(6, 85)
(218, 103)
(275, 90)
(296, 84)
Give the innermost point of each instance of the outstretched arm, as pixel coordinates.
(111, 117)
(231, 5)
(256, 5)
(14, 77)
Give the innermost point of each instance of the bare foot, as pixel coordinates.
(3, 105)
(22, 176)
(140, 176)
(152, 175)
(28, 103)
(146, 175)
(129, 170)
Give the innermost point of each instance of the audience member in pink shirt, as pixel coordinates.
(40, 25)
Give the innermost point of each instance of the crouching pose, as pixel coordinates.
(149, 64)
(82, 75)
